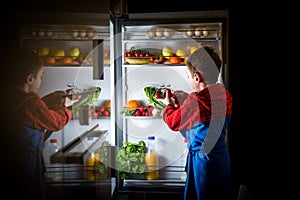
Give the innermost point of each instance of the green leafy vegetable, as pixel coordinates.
(89, 98)
(150, 92)
(130, 159)
(103, 151)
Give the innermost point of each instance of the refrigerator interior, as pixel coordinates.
(134, 77)
(57, 78)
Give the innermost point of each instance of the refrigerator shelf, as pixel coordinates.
(155, 183)
(142, 117)
(154, 65)
(173, 39)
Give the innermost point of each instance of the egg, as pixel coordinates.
(168, 33)
(41, 33)
(49, 33)
(33, 33)
(206, 32)
(151, 33)
(82, 33)
(75, 33)
(198, 32)
(159, 33)
(90, 34)
(190, 32)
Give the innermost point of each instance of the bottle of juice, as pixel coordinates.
(90, 166)
(151, 160)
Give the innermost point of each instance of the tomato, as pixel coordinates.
(106, 113)
(136, 54)
(125, 54)
(142, 108)
(137, 112)
(141, 55)
(148, 54)
(129, 54)
(149, 108)
(101, 109)
(157, 95)
(152, 58)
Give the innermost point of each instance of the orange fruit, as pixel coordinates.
(68, 60)
(108, 104)
(174, 60)
(50, 60)
(132, 104)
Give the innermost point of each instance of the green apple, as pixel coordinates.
(74, 51)
(167, 51)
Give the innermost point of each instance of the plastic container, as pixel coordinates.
(183, 160)
(50, 150)
(54, 171)
(151, 160)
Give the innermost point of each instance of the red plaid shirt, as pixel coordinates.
(33, 111)
(212, 102)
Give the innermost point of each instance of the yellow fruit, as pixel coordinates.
(44, 51)
(59, 53)
(193, 49)
(181, 53)
(74, 52)
(167, 51)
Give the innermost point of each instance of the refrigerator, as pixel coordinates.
(153, 32)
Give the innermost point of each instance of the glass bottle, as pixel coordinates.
(151, 160)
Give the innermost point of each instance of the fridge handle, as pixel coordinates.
(98, 59)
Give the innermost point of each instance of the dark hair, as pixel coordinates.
(206, 62)
(25, 62)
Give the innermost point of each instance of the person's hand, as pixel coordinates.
(181, 95)
(68, 101)
(167, 99)
(54, 100)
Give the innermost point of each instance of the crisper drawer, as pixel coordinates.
(170, 183)
(79, 149)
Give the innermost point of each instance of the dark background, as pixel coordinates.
(244, 145)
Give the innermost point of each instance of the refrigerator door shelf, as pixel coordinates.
(155, 183)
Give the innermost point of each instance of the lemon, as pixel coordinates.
(44, 51)
(74, 51)
(167, 51)
(181, 53)
(193, 49)
(59, 53)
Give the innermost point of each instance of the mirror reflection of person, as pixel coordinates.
(203, 118)
(35, 116)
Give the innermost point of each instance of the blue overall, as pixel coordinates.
(208, 172)
(33, 145)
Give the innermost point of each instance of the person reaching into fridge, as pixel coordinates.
(35, 116)
(203, 118)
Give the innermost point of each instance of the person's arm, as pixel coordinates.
(52, 118)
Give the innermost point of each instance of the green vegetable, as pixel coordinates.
(130, 159)
(103, 151)
(87, 99)
(150, 93)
